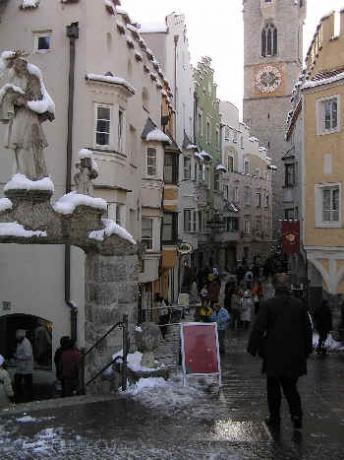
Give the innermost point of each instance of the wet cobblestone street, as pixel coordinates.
(227, 425)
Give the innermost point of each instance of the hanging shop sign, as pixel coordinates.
(185, 248)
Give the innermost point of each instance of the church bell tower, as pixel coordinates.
(273, 41)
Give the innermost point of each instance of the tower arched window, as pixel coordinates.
(269, 40)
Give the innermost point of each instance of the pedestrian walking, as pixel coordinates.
(6, 390)
(214, 286)
(282, 336)
(221, 318)
(23, 378)
(236, 302)
(322, 317)
(246, 311)
(257, 293)
(70, 362)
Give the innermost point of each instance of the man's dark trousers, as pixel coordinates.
(289, 386)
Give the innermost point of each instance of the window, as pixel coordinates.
(258, 200)
(200, 221)
(267, 201)
(170, 168)
(247, 225)
(120, 129)
(235, 137)
(328, 115)
(247, 196)
(232, 224)
(103, 125)
(230, 164)
(147, 233)
(169, 227)
(217, 138)
(236, 194)
(258, 224)
(227, 133)
(42, 42)
(151, 162)
(187, 168)
(289, 175)
(217, 181)
(330, 204)
(208, 132)
(226, 191)
(269, 40)
(190, 220)
(241, 142)
(247, 167)
(200, 124)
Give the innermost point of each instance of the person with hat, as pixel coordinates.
(23, 378)
(6, 390)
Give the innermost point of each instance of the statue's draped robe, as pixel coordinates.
(25, 134)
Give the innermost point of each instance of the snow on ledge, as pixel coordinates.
(111, 228)
(15, 229)
(158, 136)
(112, 80)
(21, 182)
(68, 203)
(324, 81)
(5, 204)
(29, 4)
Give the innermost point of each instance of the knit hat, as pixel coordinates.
(2, 360)
(20, 333)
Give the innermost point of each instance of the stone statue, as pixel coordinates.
(87, 171)
(24, 106)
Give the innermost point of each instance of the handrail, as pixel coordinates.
(102, 370)
(119, 324)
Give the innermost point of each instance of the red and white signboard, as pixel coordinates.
(200, 349)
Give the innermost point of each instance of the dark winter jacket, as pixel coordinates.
(282, 335)
(323, 318)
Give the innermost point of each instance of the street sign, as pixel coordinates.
(200, 349)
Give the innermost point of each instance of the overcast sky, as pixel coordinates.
(215, 28)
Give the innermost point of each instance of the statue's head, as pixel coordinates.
(14, 60)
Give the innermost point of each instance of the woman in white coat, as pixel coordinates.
(246, 309)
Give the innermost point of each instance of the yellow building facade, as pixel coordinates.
(323, 156)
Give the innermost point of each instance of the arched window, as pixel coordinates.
(269, 40)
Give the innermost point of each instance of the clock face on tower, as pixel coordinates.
(268, 79)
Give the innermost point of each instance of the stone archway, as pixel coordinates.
(111, 264)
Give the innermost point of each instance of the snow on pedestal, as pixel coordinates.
(111, 228)
(15, 229)
(21, 182)
(68, 203)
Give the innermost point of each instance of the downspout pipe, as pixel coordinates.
(72, 32)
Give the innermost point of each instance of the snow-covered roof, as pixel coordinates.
(221, 168)
(253, 139)
(273, 167)
(262, 149)
(111, 79)
(21, 182)
(324, 81)
(15, 229)
(68, 203)
(153, 27)
(205, 155)
(111, 228)
(157, 135)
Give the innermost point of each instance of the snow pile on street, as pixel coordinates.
(134, 361)
(26, 419)
(111, 228)
(331, 344)
(21, 182)
(149, 383)
(15, 229)
(5, 204)
(68, 203)
(44, 441)
(30, 4)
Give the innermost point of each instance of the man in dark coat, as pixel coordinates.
(282, 335)
(323, 324)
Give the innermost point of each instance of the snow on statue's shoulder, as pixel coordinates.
(111, 228)
(21, 182)
(68, 203)
(5, 204)
(46, 104)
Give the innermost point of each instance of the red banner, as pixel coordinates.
(290, 237)
(200, 348)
